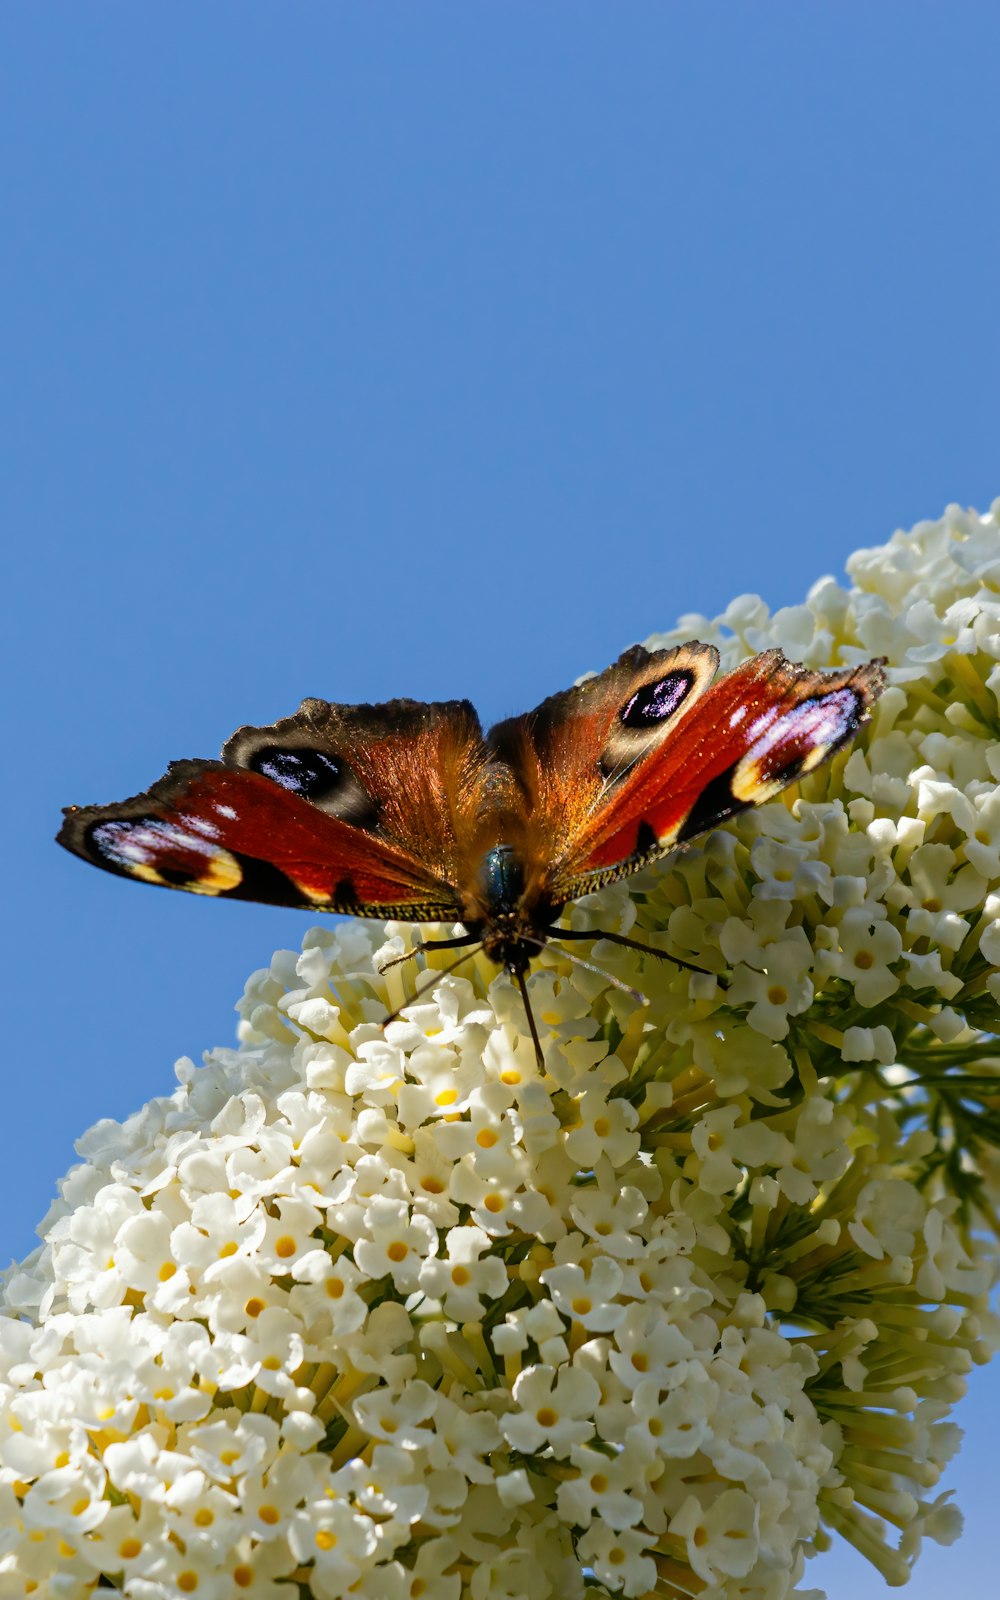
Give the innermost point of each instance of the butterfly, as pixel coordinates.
(407, 810)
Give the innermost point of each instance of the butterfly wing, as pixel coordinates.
(573, 753)
(650, 754)
(337, 808)
(387, 810)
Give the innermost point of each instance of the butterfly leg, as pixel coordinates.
(632, 944)
(432, 944)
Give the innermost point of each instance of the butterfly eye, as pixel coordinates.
(654, 702)
(309, 773)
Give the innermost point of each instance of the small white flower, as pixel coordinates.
(869, 946)
(462, 1281)
(338, 1542)
(720, 1535)
(397, 1245)
(600, 1491)
(555, 1410)
(587, 1295)
(610, 1219)
(781, 991)
(619, 1558)
(606, 1127)
(396, 1417)
(326, 1298)
(233, 1445)
(219, 1230)
(675, 1423)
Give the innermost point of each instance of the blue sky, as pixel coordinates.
(363, 350)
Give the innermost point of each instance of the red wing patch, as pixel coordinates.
(215, 830)
(744, 740)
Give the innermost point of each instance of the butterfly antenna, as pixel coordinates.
(424, 988)
(630, 944)
(519, 975)
(578, 961)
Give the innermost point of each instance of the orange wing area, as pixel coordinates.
(744, 739)
(215, 830)
(408, 774)
(574, 754)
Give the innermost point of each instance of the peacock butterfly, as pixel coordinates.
(407, 810)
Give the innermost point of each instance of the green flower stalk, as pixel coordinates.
(388, 1311)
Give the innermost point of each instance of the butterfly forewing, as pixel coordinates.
(742, 741)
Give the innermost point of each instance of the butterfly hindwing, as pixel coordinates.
(406, 772)
(732, 746)
(338, 808)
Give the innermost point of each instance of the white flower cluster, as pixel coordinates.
(388, 1311)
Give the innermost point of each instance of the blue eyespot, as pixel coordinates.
(309, 773)
(654, 702)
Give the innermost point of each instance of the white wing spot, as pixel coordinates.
(198, 825)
